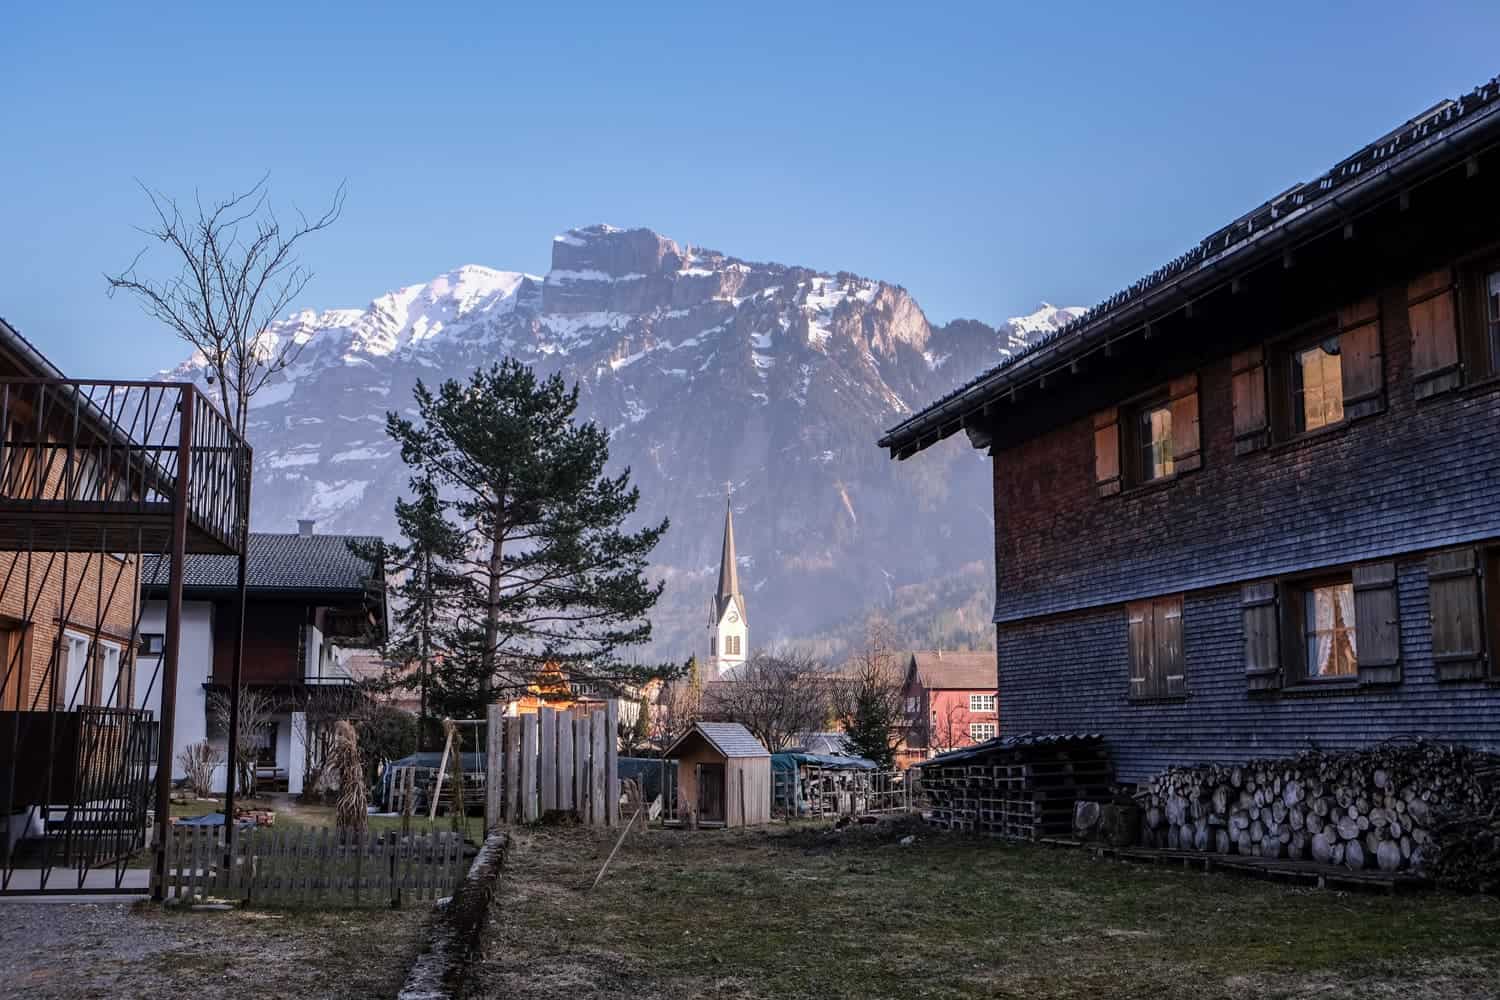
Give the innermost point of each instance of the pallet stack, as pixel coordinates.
(1019, 787)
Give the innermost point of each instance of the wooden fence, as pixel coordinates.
(313, 866)
(554, 761)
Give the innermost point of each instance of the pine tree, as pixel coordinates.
(550, 575)
(423, 593)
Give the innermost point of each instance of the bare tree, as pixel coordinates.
(255, 711)
(948, 729)
(870, 698)
(200, 760)
(237, 271)
(777, 695)
(314, 719)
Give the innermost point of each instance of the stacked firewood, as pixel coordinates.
(1468, 854)
(1372, 808)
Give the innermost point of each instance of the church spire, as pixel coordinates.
(729, 575)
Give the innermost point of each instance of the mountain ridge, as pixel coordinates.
(705, 369)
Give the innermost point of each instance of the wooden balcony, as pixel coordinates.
(104, 466)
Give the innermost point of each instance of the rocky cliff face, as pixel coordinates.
(707, 370)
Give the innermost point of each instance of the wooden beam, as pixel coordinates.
(1236, 286)
(1288, 260)
(1149, 331)
(1471, 167)
(1405, 199)
(1348, 230)
(1109, 348)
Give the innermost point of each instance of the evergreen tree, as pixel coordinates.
(423, 592)
(549, 574)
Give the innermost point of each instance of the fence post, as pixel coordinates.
(598, 761)
(547, 759)
(512, 770)
(580, 774)
(529, 726)
(565, 780)
(612, 763)
(493, 765)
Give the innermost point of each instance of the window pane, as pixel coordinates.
(1154, 435)
(1331, 642)
(1318, 386)
(1492, 298)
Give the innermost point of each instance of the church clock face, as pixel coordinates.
(733, 618)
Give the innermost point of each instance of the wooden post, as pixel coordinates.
(612, 763)
(512, 770)
(547, 760)
(493, 765)
(529, 734)
(741, 772)
(565, 761)
(598, 761)
(581, 767)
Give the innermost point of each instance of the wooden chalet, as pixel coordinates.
(1252, 502)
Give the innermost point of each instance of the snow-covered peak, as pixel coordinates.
(417, 313)
(1046, 319)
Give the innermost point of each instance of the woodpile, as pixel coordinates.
(1019, 787)
(1468, 853)
(1379, 807)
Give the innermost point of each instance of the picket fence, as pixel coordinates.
(554, 761)
(312, 866)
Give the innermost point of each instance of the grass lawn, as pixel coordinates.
(778, 913)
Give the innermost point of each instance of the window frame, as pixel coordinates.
(1132, 448)
(992, 728)
(1478, 343)
(1305, 592)
(980, 698)
(1280, 366)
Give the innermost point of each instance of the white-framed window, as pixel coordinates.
(109, 680)
(981, 703)
(732, 645)
(75, 690)
(911, 706)
(981, 731)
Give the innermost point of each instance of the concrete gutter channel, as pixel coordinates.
(442, 971)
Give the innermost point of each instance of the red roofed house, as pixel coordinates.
(951, 701)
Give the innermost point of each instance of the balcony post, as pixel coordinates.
(242, 529)
(173, 638)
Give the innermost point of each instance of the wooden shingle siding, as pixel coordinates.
(1421, 475)
(1070, 673)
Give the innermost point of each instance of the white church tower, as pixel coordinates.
(728, 632)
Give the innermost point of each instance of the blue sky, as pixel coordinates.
(985, 156)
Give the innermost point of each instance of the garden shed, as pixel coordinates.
(723, 776)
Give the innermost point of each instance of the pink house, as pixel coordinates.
(950, 700)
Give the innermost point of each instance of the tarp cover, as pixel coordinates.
(792, 760)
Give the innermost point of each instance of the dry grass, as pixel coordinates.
(766, 914)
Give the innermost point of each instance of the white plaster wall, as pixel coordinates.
(194, 668)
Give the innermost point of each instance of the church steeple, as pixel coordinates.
(729, 573)
(728, 632)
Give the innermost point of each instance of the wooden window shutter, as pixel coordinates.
(1142, 648)
(1432, 314)
(1107, 451)
(1251, 423)
(1377, 623)
(1171, 671)
(1453, 590)
(1362, 360)
(1259, 609)
(1187, 453)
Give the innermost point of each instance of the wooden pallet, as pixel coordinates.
(1275, 869)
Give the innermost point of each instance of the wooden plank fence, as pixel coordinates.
(554, 761)
(303, 866)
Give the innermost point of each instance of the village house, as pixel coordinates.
(950, 701)
(95, 478)
(1252, 503)
(312, 602)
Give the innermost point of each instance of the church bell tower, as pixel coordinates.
(728, 632)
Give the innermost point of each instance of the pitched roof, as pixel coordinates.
(277, 562)
(729, 738)
(1445, 133)
(956, 671)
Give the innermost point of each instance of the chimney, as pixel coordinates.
(305, 526)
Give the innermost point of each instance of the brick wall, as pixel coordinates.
(1084, 655)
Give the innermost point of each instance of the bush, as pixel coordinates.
(388, 733)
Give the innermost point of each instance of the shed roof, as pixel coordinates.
(946, 670)
(278, 562)
(729, 738)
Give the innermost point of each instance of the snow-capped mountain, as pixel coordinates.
(706, 370)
